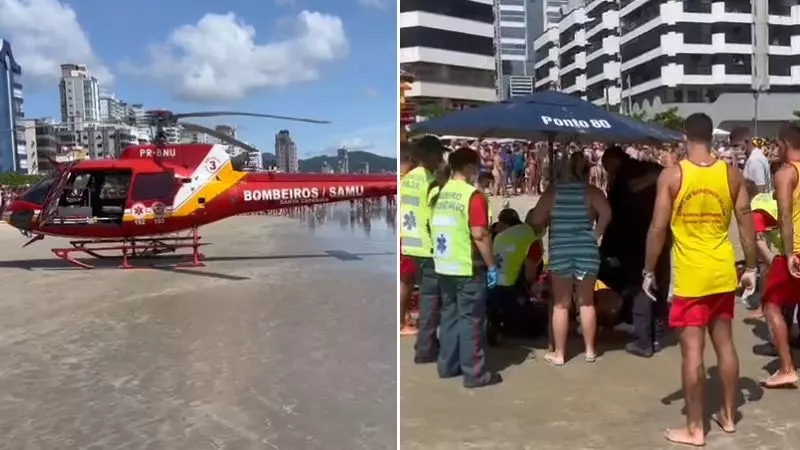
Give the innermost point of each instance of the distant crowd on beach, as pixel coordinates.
(514, 167)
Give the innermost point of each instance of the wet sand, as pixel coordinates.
(265, 348)
(619, 403)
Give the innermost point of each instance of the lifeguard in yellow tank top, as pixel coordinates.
(780, 286)
(703, 258)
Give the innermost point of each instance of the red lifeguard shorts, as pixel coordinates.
(780, 287)
(700, 311)
(407, 267)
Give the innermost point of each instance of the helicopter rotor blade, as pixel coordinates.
(246, 114)
(221, 136)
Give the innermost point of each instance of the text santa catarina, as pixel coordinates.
(260, 195)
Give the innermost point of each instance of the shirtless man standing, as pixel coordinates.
(696, 199)
(782, 283)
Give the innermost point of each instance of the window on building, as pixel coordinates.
(514, 68)
(641, 45)
(513, 32)
(479, 12)
(780, 7)
(735, 64)
(644, 73)
(512, 16)
(542, 72)
(542, 53)
(569, 79)
(697, 6)
(593, 47)
(454, 75)
(780, 35)
(738, 34)
(567, 59)
(640, 16)
(566, 38)
(738, 6)
(696, 33)
(512, 47)
(594, 67)
(446, 40)
(780, 65)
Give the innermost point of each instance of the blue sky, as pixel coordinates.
(333, 60)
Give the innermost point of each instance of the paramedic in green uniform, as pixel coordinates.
(415, 235)
(518, 254)
(462, 254)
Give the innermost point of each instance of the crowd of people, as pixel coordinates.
(8, 194)
(514, 167)
(611, 214)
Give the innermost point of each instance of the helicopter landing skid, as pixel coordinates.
(133, 248)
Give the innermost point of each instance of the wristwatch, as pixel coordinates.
(647, 273)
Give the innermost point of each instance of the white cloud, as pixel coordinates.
(45, 34)
(218, 59)
(378, 4)
(379, 138)
(356, 143)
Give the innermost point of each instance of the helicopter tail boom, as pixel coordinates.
(269, 191)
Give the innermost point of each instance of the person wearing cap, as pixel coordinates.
(415, 234)
(518, 254)
(756, 165)
(465, 265)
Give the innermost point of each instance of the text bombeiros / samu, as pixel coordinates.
(312, 193)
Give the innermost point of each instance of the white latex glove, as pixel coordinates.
(748, 283)
(649, 286)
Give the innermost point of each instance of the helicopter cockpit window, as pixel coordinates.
(76, 192)
(37, 193)
(115, 186)
(159, 186)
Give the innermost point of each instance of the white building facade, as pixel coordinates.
(448, 45)
(80, 96)
(286, 152)
(514, 77)
(733, 60)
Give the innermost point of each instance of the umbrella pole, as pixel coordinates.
(551, 153)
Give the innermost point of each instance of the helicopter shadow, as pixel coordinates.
(171, 263)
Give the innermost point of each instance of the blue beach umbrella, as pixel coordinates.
(550, 116)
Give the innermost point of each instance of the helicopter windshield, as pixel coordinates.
(37, 193)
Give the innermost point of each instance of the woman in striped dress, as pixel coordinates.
(577, 215)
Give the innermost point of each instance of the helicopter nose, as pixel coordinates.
(21, 218)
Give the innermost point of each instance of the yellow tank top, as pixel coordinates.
(796, 211)
(703, 258)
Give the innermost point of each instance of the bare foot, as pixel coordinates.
(757, 314)
(682, 436)
(408, 331)
(725, 423)
(779, 380)
(553, 359)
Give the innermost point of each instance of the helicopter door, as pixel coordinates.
(51, 201)
(153, 191)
